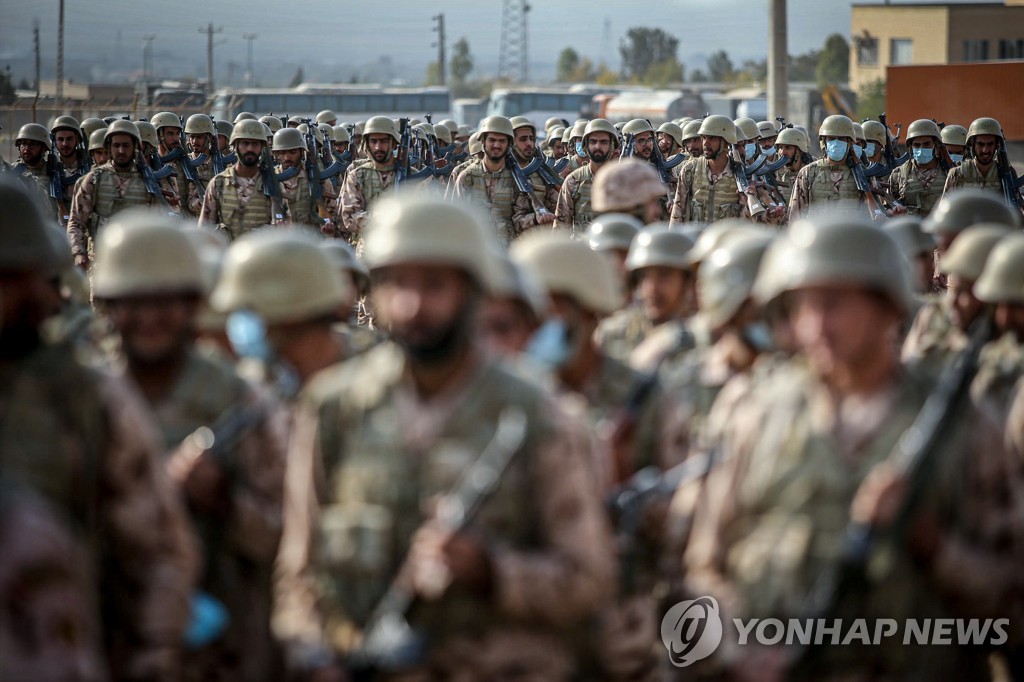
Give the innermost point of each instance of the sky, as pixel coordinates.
(336, 39)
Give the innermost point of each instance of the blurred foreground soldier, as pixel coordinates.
(237, 200)
(631, 187)
(97, 151)
(811, 452)
(356, 338)
(512, 311)
(914, 183)
(574, 211)
(822, 183)
(94, 458)
(918, 247)
(149, 281)
(707, 187)
(366, 182)
(979, 169)
(495, 596)
(611, 234)
(290, 152)
(954, 137)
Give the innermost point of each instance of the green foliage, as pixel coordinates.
(644, 47)
(834, 64)
(568, 63)
(461, 64)
(433, 76)
(871, 99)
(663, 73)
(720, 68)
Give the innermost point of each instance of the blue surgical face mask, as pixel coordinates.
(749, 150)
(759, 336)
(248, 335)
(580, 151)
(550, 343)
(770, 151)
(857, 150)
(837, 149)
(923, 155)
(957, 158)
(871, 149)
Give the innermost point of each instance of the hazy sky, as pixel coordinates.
(341, 34)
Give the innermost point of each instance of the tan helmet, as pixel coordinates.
(224, 128)
(249, 129)
(341, 134)
(199, 124)
(984, 126)
(794, 137)
(443, 135)
(475, 145)
(613, 231)
(144, 252)
(267, 132)
(522, 122)
(1002, 280)
(281, 275)
(463, 131)
(451, 125)
(691, 129)
(427, 229)
(840, 248)
(579, 129)
(672, 130)
(555, 133)
(923, 127)
(858, 131)
(907, 233)
(360, 127)
(954, 135)
(147, 132)
(626, 185)
(122, 127)
(378, 125)
(289, 138)
(35, 133)
(570, 268)
(243, 116)
(499, 125)
(512, 281)
(25, 243)
(165, 119)
(344, 258)
(552, 122)
(91, 125)
(874, 131)
(272, 122)
(766, 129)
(599, 125)
(637, 126)
(96, 139)
(326, 133)
(836, 125)
(326, 116)
(656, 245)
(746, 129)
(726, 278)
(716, 234)
(962, 208)
(966, 257)
(718, 126)
(211, 245)
(66, 123)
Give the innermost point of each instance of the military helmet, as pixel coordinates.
(746, 129)
(555, 133)
(272, 122)
(874, 131)
(66, 123)
(626, 185)
(423, 131)
(522, 122)
(96, 139)
(249, 129)
(326, 116)
(1002, 280)
(289, 138)
(25, 243)
(718, 126)
(165, 119)
(243, 116)
(451, 125)
(579, 129)
(147, 132)
(612, 231)
(344, 258)
(378, 125)
(224, 128)
(552, 122)
(691, 129)
(210, 245)
(360, 126)
(498, 125)
(427, 229)
(599, 125)
(716, 234)
(91, 125)
(656, 244)
(969, 206)
(955, 135)
(443, 135)
(637, 126)
(726, 278)
(858, 131)
(475, 145)
(268, 134)
(122, 127)
(199, 124)
(294, 122)
(570, 268)
(907, 233)
(836, 125)
(512, 281)
(966, 257)
(841, 248)
(463, 131)
(794, 137)
(567, 136)
(34, 132)
(984, 126)
(923, 127)
(326, 132)
(673, 131)
(766, 129)
(143, 252)
(341, 134)
(281, 275)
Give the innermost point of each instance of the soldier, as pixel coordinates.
(954, 138)
(670, 139)
(67, 135)
(171, 143)
(236, 200)
(97, 151)
(828, 180)
(691, 140)
(643, 138)
(980, 170)
(554, 145)
(224, 129)
(33, 143)
(545, 196)
(201, 137)
(488, 182)
(876, 136)
(859, 143)
(149, 281)
(767, 135)
(760, 543)
(574, 211)
(94, 458)
(290, 152)
(327, 116)
(747, 136)
(512, 312)
(91, 125)
(611, 234)
(109, 189)
(356, 338)
(475, 152)
(794, 145)
(341, 140)
(633, 187)
(356, 518)
(244, 116)
(367, 181)
(914, 183)
(707, 187)
(918, 247)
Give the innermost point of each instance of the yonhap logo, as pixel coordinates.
(691, 630)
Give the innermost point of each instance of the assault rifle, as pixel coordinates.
(271, 186)
(661, 164)
(403, 170)
(1010, 183)
(743, 185)
(55, 171)
(521, 177)
(220, 161)
(865, 187)
(151, 180)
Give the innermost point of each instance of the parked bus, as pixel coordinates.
(350, 102)
(540, 104)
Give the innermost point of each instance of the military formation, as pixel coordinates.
(392, 400)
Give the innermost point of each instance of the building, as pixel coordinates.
(906, 34)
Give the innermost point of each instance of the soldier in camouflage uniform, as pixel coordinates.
(68, 136)
(356, 338)
(691, 141)
(224, 442)
(365, 182)
(707, 187)
(475, 149)
(236, 201)
(380, 437)
(202, 135)
(170, 137)
(33, 143)
(914, 183)
(794, 145)
(954, 138)
(632, 187)
(979, 169)
(290, 152)
(828, 180)
(875, 135)
(524, 148)
(94, 458)
(611, 234)
(574, 211)
(97, 151)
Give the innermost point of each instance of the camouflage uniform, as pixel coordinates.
(967, 174)
(574, 210)
(237, 205)
(364, 183)
(619, 335)
(932, 336)
(510, 210)
(915, 188)
(304, 209)
(1000, 365)
(205, 172)
(36, 179)
(822, 182)
(701, 197)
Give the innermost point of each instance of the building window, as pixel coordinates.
(975, 50)
(1011, 49)
(902, 51)
(867, 51)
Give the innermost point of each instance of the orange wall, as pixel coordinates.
(957, 93)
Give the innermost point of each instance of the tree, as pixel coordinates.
(6, 88)
(871, 99)
(568, 62)
(644, 47)
(663, 73)
(461, 64)
(605, 76)
(433, 76)
(834, 64)
(698, 76)
(804, 67)
(720, 68)
(297, 79)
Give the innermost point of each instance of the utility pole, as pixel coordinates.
(442, 65)
(60, 54)
(778, 60)
(210, 31)
(513, 60)
(35, 42)
(250, 74)
(147, 56)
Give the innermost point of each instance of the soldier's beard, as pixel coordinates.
(380, 157)
(599, 157)
(444, 343)
(250, 159)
